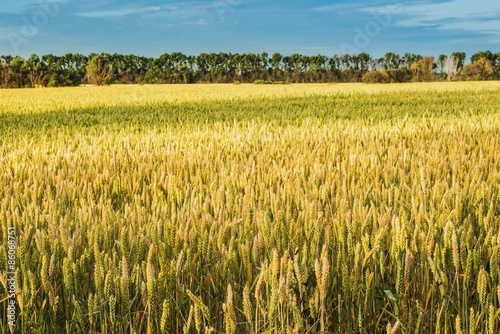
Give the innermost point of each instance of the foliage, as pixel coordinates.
(37, 72)
(253, 208)
(99, 70)
(5, 75)
(376, 77)
(480, 69)
(178, 68)
(423, 69)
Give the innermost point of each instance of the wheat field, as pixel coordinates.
(343, 208)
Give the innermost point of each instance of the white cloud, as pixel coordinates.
(463, 15)
(451, 9)
(22, 6)
(200, 12)
(119, 12)
(488, 27)
(339, 8)
(190, 13)
(200, 22)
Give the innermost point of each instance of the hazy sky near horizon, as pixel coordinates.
(153, 27)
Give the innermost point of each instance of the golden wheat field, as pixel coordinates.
(343, 208)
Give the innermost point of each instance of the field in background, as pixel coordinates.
(253, 208)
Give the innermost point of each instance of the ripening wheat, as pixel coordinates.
(252, 209)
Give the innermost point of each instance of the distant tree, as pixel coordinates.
(440, 63)
(410, 58)
(481, 69)
(276, 66)
(37, 71)
(179, 67)
(496, 66)
(334, 68)
(392, 61)
(153, 75)
(6, 59)
(404, 72)
(295, 66)
(251, 66)
(346, 68)
(460, 56)
(423, 70)
(5, 72)
(99, 70)
(73, 69)
(202, 67)
(364, 62)
(317, 68)
(18, 66)
(5, 75)
(55, 71)
(216, 64)
(483, 54)
(351, 66)
(67, 70)
(450, 67)
(264, 62)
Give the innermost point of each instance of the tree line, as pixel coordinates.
(75, 69)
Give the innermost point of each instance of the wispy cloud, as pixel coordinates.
(119, 12)
(196, 13)
(490, 26)
(339, 8)
(458, 15)
(200, 22)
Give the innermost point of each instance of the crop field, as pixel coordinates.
(334, 208)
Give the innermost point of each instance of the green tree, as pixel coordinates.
(483, 54)
(335, 70)
(179, 67)
(5, 71)
(202, 67)
(392, 62)
(66, 70)
(264, 61)
(460, 57)
(276, 66)
(294, 66)
(18, 66)
(317, 68)
(99, 70)
(37, 71)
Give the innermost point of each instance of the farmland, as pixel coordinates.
(343, 208)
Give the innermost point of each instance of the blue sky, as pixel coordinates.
(153, 27)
